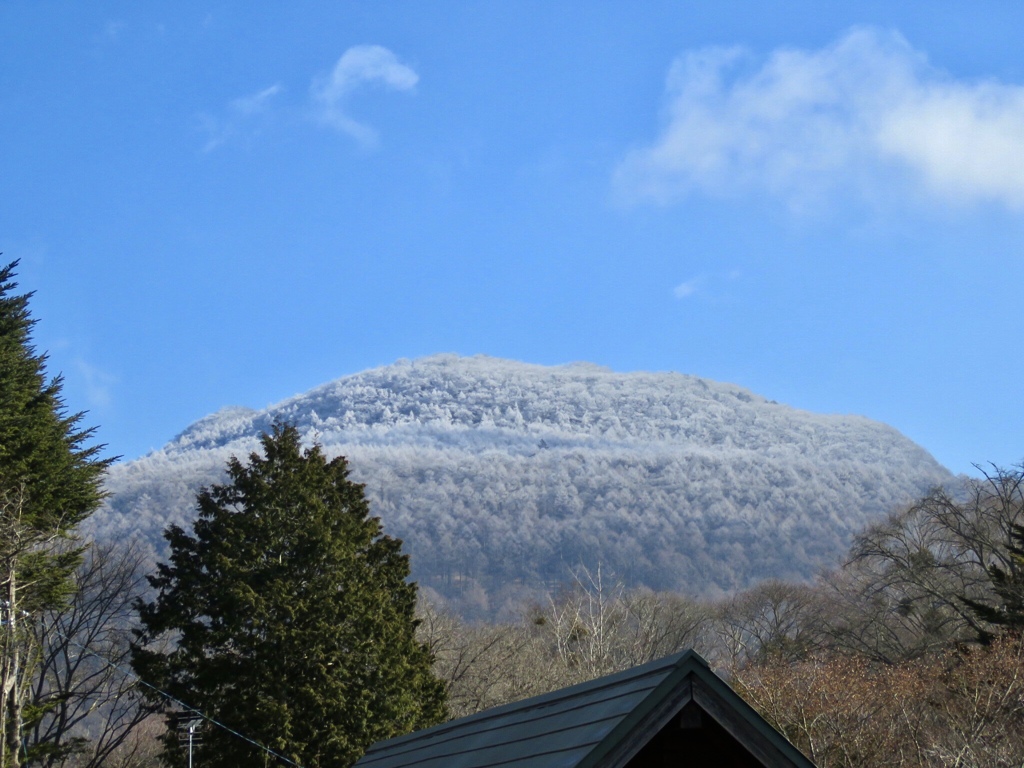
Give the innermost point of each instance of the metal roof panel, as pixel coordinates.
(597, 723)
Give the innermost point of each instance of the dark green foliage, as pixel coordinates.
(293, 620)
(49, 483)
(49, 479)
(1008, 584)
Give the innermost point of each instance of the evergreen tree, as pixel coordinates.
(291, 616)
(1008, 584)
(49, 483)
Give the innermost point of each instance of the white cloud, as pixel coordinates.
(964, 141)
(860, 114)
(238, 117)
(687, 289)
(359, 66)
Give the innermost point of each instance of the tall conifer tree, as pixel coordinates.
(292, 616)
(49, 483)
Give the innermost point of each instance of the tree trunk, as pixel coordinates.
(11, 668)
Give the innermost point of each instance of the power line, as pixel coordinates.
(179, 702)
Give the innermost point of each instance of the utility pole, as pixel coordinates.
(189, 735)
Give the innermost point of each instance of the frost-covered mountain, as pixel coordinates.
(501, 476)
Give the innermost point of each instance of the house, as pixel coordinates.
(671, 712)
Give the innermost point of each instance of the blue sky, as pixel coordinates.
(230, 203)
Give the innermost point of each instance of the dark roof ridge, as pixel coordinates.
(402, 745)
(601, 723)
(651, 668)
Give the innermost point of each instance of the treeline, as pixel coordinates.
(909, 655)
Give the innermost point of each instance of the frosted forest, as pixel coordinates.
(503, 477)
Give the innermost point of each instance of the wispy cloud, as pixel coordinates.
(686, 289)
(858, 114)
(98, 383)
(239, 116)
(706, 283)
(247, 106)
(359, 66)
(112, 29)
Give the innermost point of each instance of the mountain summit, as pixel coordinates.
(502, 476)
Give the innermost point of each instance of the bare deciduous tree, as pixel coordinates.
(482, 665)
(902, 592)
(591, 628)
(86, 700)
(32, 566)
(955, 709)
(774, 619)
(982, 713)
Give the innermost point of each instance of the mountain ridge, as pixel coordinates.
(500, 475)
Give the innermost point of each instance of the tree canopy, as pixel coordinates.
(49, 477)
(292, 615)
(49, 483)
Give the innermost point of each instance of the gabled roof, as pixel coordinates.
(603, 723)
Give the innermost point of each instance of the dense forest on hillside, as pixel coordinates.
(501, 477)
(909, 654)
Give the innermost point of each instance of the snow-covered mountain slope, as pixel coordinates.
(501, 476)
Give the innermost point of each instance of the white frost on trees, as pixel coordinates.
(500, 476)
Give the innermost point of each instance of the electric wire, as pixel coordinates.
(179, 702)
